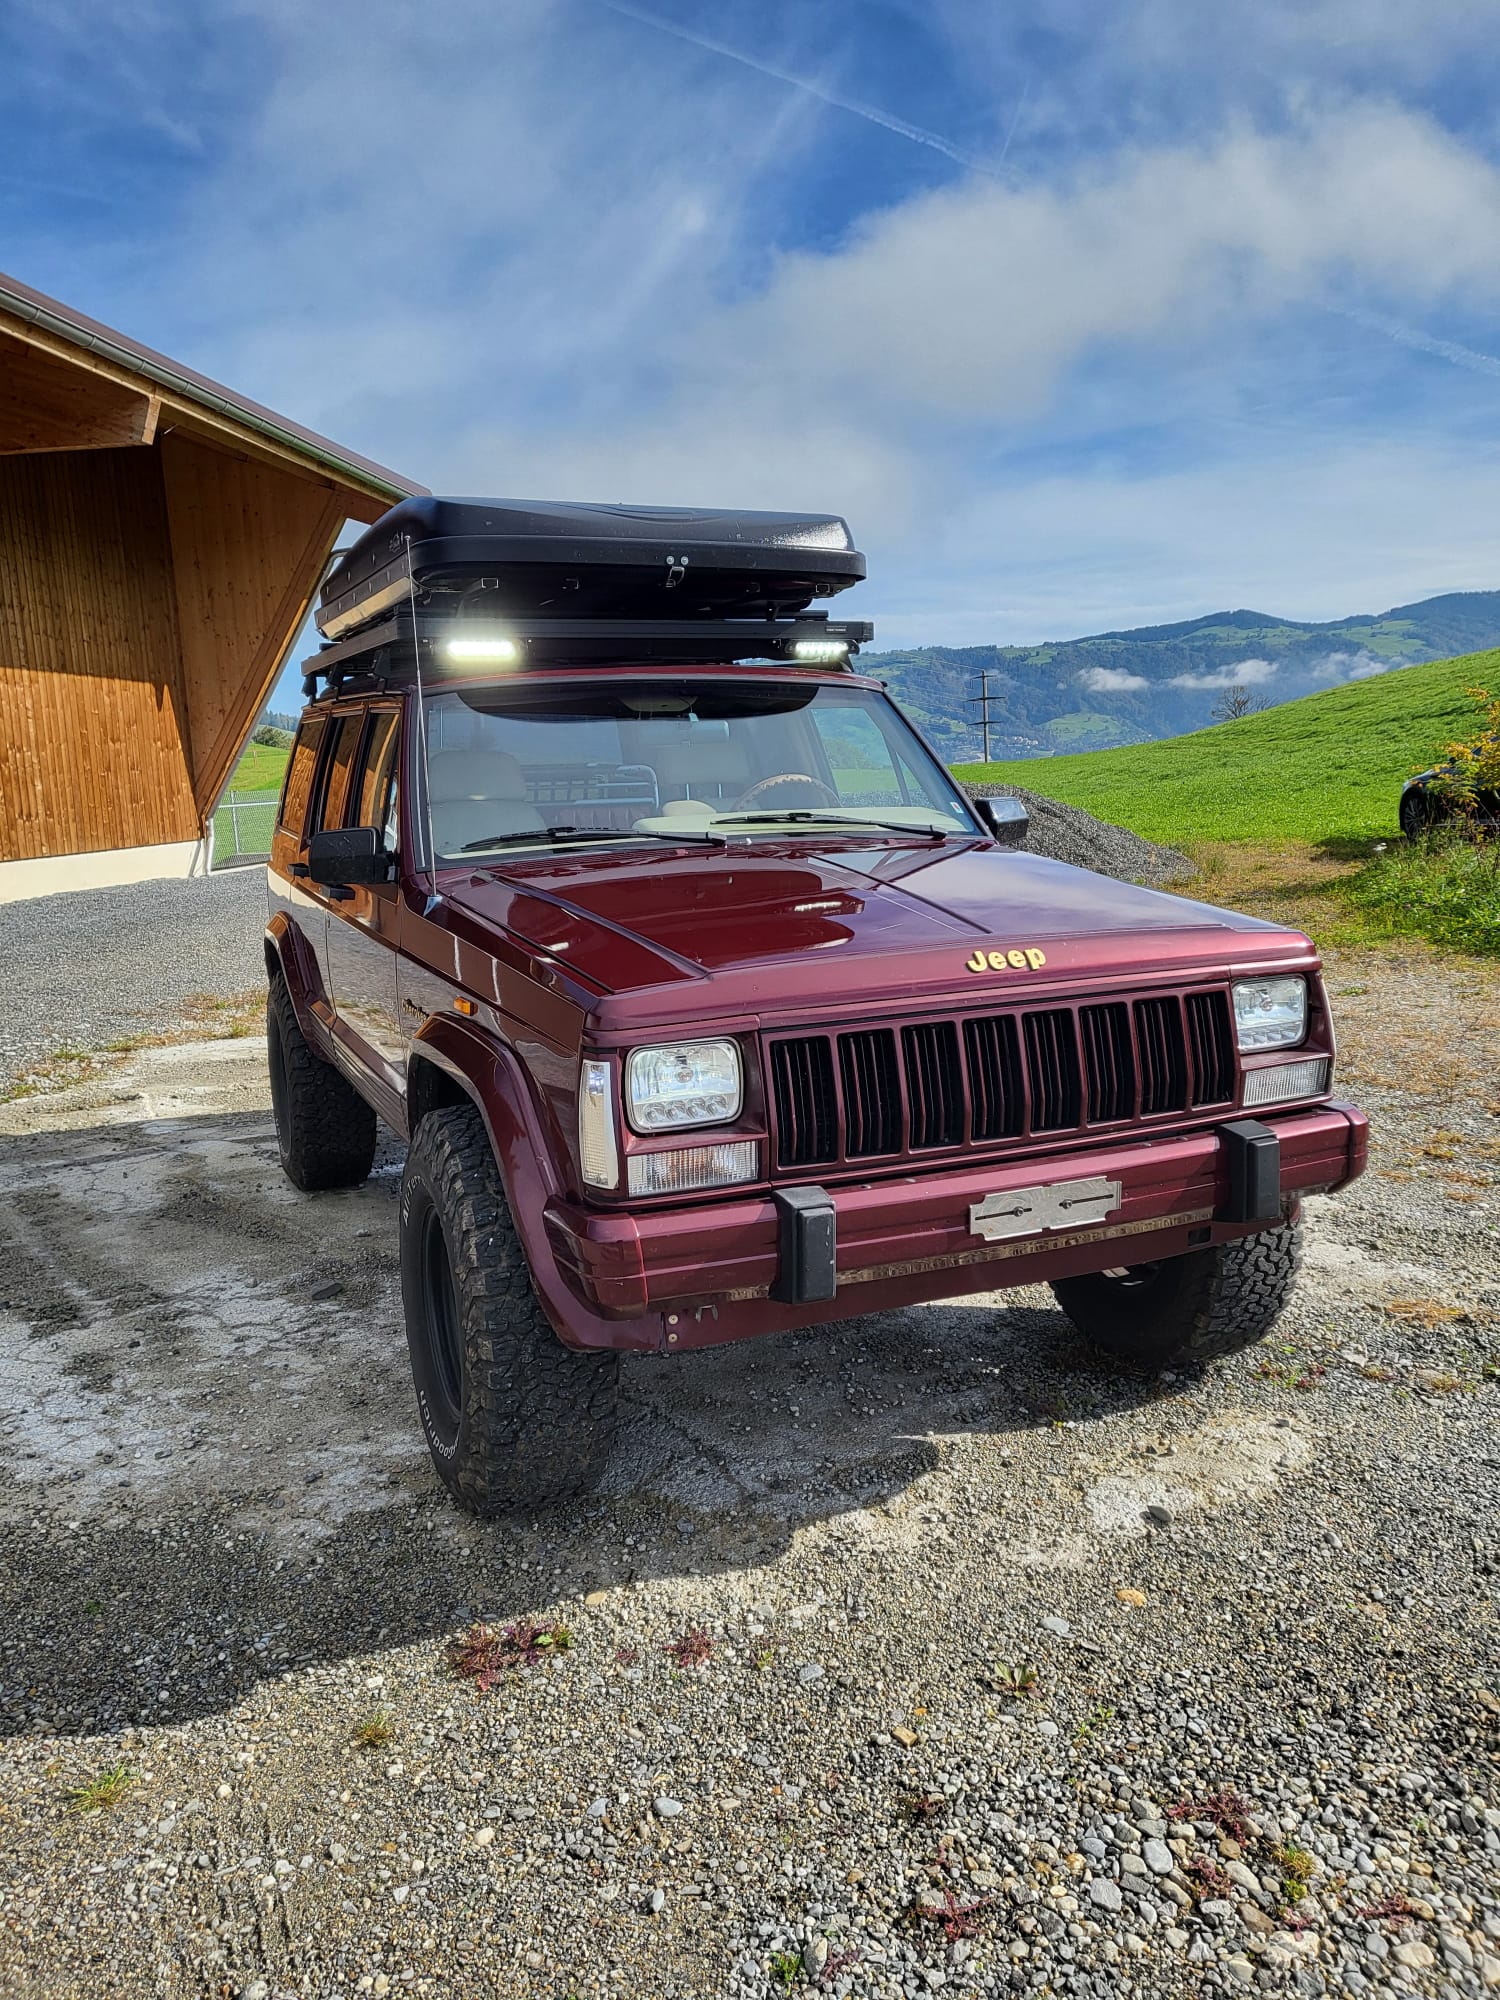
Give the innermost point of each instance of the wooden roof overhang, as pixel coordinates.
(161, 539)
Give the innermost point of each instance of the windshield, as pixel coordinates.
(528, 766)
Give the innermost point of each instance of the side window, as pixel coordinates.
(373, 796)
(333, 785)
(299, 775)
(860, 761)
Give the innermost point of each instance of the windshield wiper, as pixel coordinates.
(568, 836)
(804, 818)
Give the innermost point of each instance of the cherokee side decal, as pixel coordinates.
(1018, 959)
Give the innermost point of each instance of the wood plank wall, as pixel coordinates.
(95, 750)
(248, 544)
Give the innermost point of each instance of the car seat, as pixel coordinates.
(478, 795)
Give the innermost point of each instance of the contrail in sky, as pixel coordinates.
(1424, 343)
(871, 112)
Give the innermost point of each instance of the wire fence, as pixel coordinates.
(242, 827)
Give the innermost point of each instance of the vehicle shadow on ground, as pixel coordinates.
(209, 1475)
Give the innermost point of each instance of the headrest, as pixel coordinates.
(476, 774)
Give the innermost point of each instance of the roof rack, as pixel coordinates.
(450, 647)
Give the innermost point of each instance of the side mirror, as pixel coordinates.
(347, 854)
(1006, 818)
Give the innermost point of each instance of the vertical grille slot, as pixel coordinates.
(1158, 1028)
(1052, 1070)
(1212, 1046)
(1109, 1060)
(997, 1094)
(934, 1084)
(807, 1124)
(871, 1084)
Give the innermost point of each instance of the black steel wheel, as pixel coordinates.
(325, 1132)
(513, 1419)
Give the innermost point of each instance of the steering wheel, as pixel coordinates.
(761, 785)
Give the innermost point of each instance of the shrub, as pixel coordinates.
(1445, 886)
(1472, 768)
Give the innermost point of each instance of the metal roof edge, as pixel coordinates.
(51, 316)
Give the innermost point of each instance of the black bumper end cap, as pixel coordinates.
(1252, 1152)
(808, 1227)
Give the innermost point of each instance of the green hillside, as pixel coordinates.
(1329, 766)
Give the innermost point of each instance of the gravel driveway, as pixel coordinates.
(134, 956)
(919, 1654)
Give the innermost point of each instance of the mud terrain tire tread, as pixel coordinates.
(1198, 1308)
(324, 1128)
(537, 1419)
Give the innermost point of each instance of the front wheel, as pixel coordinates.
(1187, 1309)
(513, 1419)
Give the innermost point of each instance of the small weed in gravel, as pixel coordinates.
(1013, 1677)
(922, 1808)
(373, 1731)
(786, 1968)
(957, 1920)
(1228, 1811)
(483, 1655)
(693, 1649)
(1296, 1866)
(1207, 1875)
(106, 1790)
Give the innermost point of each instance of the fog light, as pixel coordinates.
(689, 1167)
(1284, 1081)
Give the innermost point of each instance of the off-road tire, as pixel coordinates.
(1188, 1309)
(324, 1128)
(514, 1420)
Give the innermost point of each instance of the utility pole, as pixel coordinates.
(983, 700)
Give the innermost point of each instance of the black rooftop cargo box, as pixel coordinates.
(540, 558)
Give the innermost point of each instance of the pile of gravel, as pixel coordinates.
(1066, 833)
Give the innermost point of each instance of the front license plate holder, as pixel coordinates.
(1033, 1211)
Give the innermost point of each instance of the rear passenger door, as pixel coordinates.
(363, 927)
(289, 890)
(329, 792)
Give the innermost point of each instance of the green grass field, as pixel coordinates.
(1329, 767)
(260, 769)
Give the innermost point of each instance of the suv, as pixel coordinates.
(709, 1006)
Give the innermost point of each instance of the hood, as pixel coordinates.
(786, 923)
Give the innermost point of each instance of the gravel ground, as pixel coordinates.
(134, 956)
(1067, 833)
(1003, 1673)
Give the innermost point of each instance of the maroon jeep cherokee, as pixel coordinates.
(707, 1003)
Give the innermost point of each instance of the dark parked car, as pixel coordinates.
(708, 1005)
(1425, 804)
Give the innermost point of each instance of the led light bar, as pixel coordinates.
(688, 1167)
(1282, 1082)
(489, 652)
(820, 649)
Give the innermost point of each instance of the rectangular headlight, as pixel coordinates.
(687, 1083)
(689, 1167)
(1279, 1083)
(1270, 1013)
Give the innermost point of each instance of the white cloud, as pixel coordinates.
(1360, 666)
(1243, 673)
(1111, 680)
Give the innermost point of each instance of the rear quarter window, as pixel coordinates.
(297, 790)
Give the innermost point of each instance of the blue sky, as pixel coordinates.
(1086, 315)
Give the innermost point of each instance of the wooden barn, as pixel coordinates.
(160, 541)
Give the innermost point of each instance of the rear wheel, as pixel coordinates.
(1185, 1309)
(324, 1128)
(1416, 814)
(513, 1419)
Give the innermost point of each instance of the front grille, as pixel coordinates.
(807, 1117)
(1158, 1029)
(869, 1093)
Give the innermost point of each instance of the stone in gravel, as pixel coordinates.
(1242, 1969)
(810, 1673)
(1060, 1626)
(329, 1289)
(658, 1901)
(666, 1808)
(1157, 1516)
(814, 1957)
(599, 1809)
(1414, 1954)
(594, 1597)
(907, 1738)
(1217, 1909)
(1104, 1894)
(1127, 1594)
(484, 1836)
(1158, 1857)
